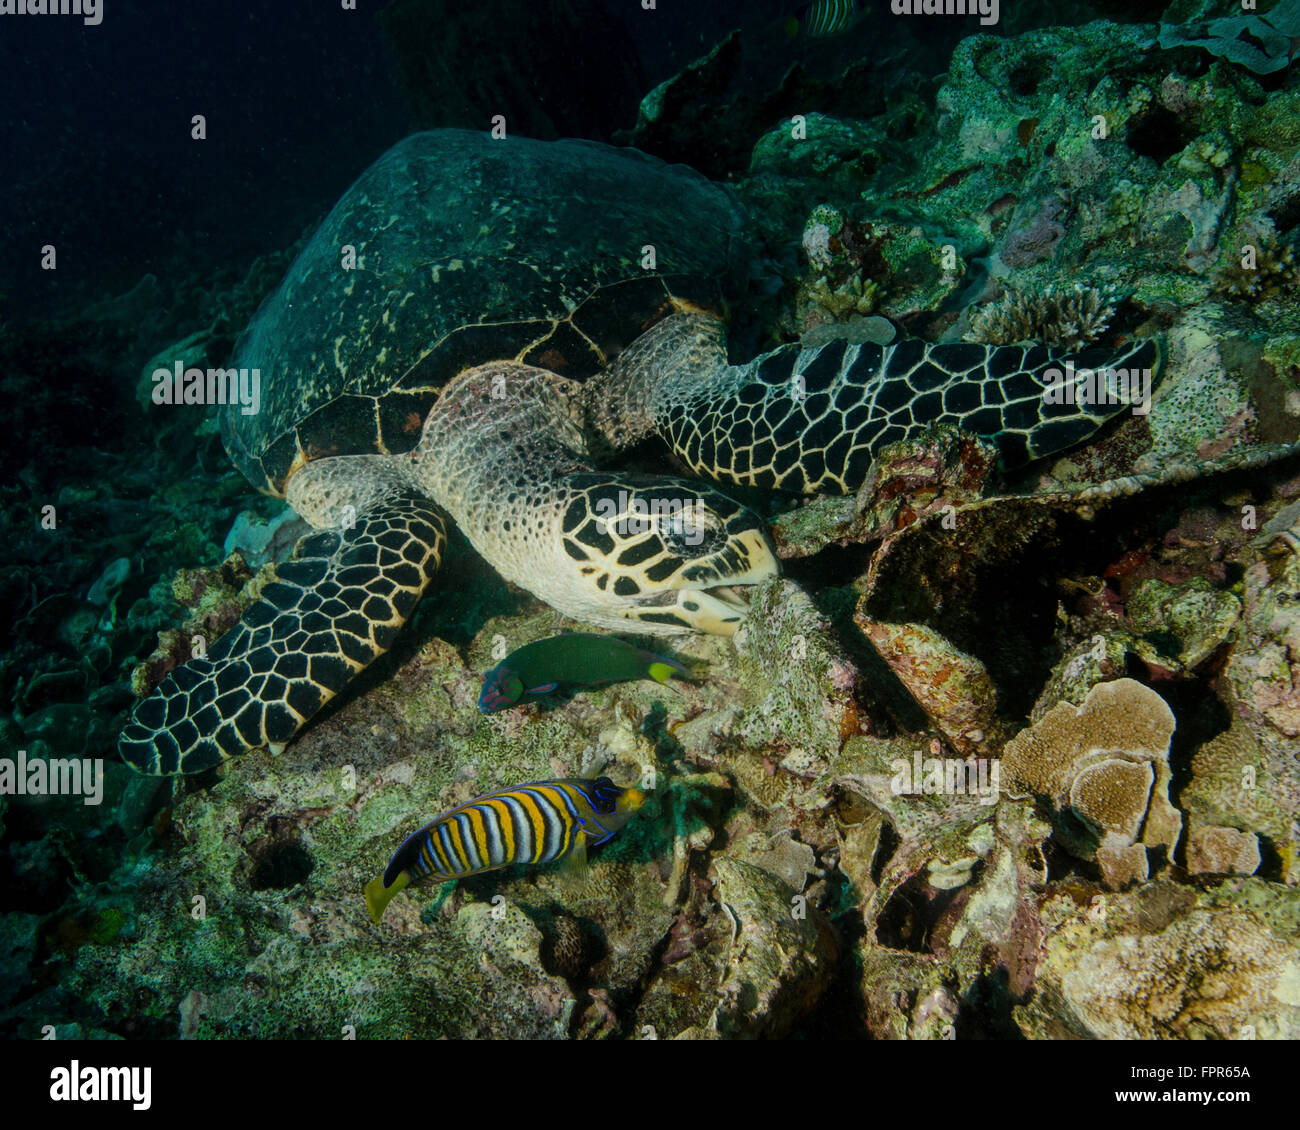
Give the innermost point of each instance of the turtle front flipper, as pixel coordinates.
(811, 419)
(332, 610)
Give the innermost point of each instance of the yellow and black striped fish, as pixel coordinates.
(535, 823)
(821, 18)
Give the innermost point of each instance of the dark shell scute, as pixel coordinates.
(467, 250)
(468, 346)
(621, 312)
(348, 425)
(566, 352)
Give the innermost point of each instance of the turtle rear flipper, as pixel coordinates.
(332, 610)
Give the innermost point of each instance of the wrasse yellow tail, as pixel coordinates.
(662, 673)
(378, 896)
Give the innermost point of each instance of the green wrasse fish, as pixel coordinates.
(821, 18)
(569, 662)
(535, 823)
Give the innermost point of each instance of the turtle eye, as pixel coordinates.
(693, 529)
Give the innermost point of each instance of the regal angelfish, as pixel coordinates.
(539, 822)
(821, 18)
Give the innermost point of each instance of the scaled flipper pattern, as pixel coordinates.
(332, 610)
(813, 420)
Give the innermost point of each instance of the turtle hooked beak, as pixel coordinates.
(701, 604)
(731, 596)
(716, 611)
(720, 610)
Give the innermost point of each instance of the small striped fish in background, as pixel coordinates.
(539, 822)
(822, 18)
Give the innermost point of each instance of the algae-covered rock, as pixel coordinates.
(1262, 680)
(779, 957)
(1213, 850)
(953, 688)
(18, 942)
(748, 958)
(798, 681)
(975, 940)
(1191, 621)
(1265, 676)
(1166, 962)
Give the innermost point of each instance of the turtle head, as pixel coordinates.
(504, 452)
(670, 554)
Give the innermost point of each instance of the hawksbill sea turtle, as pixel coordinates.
(497, 331)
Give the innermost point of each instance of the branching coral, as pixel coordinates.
(1070, 318)
(844, 257)
(1275, 273)
(856, 296)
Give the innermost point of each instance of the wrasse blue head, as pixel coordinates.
(502, 688)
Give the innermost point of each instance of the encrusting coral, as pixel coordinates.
(1104, 767)
(1163, 961)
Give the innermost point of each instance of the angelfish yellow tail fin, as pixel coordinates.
(378, 896)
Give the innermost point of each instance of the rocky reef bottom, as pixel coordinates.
(856, 825)
(1001, 755)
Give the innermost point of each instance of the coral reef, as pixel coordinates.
(842, 255)
(1104, 768)
(1166, 962)
(1025, 246)
(1270, 272)
(1214, 850)
(1188, 622)
(951, 687)
(1070, 319)
(1125, 866)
